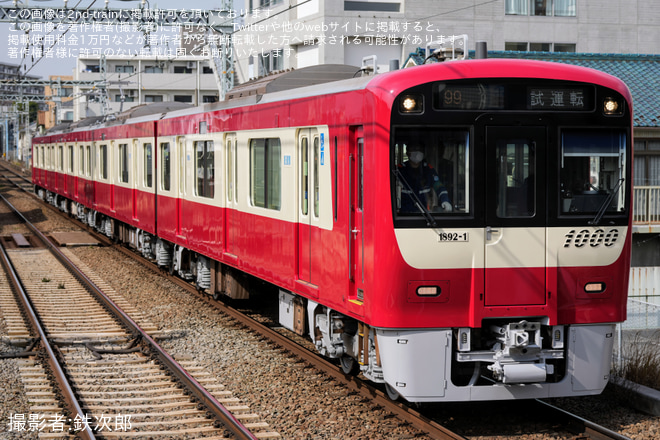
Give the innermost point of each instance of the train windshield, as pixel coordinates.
(592, 174)
(431, 167)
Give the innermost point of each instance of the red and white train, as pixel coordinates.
(500, 274)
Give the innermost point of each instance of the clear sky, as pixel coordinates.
(61, 59)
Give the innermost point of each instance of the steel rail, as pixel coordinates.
(67, 392)
(590, 429)
(197, 390)
(405, 413)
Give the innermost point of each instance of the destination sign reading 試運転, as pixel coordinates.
(509, 95)
(556, 98)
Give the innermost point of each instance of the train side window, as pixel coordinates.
(165, 159)
(515, 183)
(205, 167)
(70, 158)
(265, 173)
(593, 168)
(104, 161)
(60, 163)
(81, 161)
(148, 165)
(88, 172)
(304, 173)
(431, 171)
(335, 162)
(181, 146)
(360, 179)
(232, 178)
(123, 163)
(317, 155)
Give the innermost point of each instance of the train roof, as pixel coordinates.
(293, 79)
(331, 79)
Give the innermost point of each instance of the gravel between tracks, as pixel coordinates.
(295, 400)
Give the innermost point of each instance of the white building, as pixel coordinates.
(144, 79)
(280, 34)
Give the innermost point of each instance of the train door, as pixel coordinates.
(308, 199)
(231, 176)
(515, 248)
(356, 213)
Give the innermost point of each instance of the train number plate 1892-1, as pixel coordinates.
(453, 236)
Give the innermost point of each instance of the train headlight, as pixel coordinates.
(598, 287)
(612, 106)
(428, 291)
(411, 104)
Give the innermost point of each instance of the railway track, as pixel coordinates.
(423, 420)
(114, 379)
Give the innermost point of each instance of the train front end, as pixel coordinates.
(510, 192)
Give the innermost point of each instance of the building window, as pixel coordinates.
(118, 98)
(518, 46)
(207, 70)
(558, 8)
(124, 69)
(647, 162)
(209, 98)
(123, 163)
(564, 47)
(182, 69)
(183, 98)
(271, 62)
(165, 166)
(263, 4)
(153, 98)
(153, 69)
(265, 173)
(540, 47)
(93, 68)
(204, 163)
(68, 116)
(372, 6)
(515, 46)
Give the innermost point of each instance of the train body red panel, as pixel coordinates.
(454, 231)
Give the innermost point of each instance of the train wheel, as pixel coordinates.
(349, 365)
(391, 392)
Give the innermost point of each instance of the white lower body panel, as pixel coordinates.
(417, 364)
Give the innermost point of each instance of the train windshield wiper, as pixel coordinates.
(430, 221)
(606, 203)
